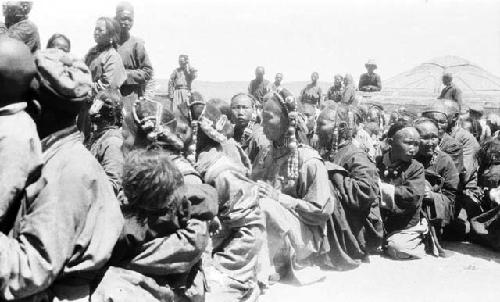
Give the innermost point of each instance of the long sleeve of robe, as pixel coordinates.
(136, 61)
(106, 68)
(107, 151)
(26, 32)
(409, 192)
(67, 227)
(21, 156)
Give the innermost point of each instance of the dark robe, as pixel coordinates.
(259, 89)
(359, 195)
(454, 149)
(445, 186)
(311, 94)
(137, 65)
(452, 92)
(253, 142)
(409, 181)
(334, 93)
(369, 82)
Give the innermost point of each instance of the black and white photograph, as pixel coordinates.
(250, 150)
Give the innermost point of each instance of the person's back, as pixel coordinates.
(18, 26)
(20, 148)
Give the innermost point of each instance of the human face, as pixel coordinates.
(429, 138)
(440, 119)
(182, 61)
(314, 77)
(274, 122)
(278, 78)
(446, 80)
(404, 144)
(61, 44)
(259, 73)
(126, 20)
(241, 110)
(101, 33)
(370, 68)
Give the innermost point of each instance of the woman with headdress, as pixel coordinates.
(355, 181)
(59, 41)
(106, 139)
(222, 163)
(106, 65)
(295, 197)
(402, 188)
(167, 212)
(247, 129)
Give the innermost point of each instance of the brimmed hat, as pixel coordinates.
(371, 63)
(65, 77)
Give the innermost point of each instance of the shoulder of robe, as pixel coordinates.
(307, 153)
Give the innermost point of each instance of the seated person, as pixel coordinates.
(20, 148)
(231, 267)
(157, 207)
(403, 188)
(354, 177)
(440, 173)
(70, 219)
(247, 129)
(293, 185)
(106, 139)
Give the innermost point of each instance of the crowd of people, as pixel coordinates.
(107, 194)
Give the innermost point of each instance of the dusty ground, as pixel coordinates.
(472, 273)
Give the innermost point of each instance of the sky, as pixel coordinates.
(227, 39)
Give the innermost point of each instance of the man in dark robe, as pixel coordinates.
(18, 26)
(134, 56)
(247, 131)
(355, 179)
(440, 173)
(370, 81)
(403, 188)
(312, 93)
(450, 90)
(259, 86)
(179, 86)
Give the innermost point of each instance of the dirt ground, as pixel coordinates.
(471, 273)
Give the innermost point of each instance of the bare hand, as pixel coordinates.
(266, 191)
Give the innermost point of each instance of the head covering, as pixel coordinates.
(447, 75)
(63, 76)
(156, 123)
(289, 107)
(371, 62)
(17, 69)
(124, 6)
(214, 120)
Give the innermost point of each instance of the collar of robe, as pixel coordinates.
(52, 143)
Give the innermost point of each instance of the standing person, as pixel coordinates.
(349, 92)
(277, 82)
(450, 90)
(370, 81)
(259, 86)
(106, 65)
(312, 93)
(355, 179)
(179, 86)
(247, 130)
(294, 196)
(20, 148)
(70, 219)
(18, 26)
(59, 41)
(403, 188)
(133, 53)
(335, 92)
